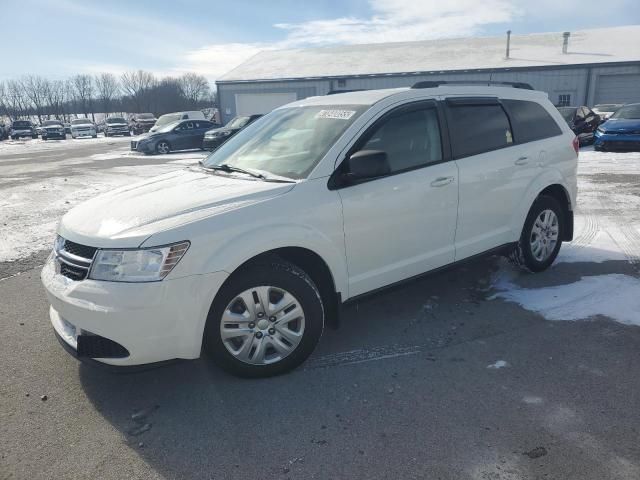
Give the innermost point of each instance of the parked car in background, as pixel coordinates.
(605, 110)
(116, 126)
(83, 127)
(583, 121)
(141, 123)
(168, 118)
(23, 128)
(39, 129)
(217, 136)
(53, 129)
(4, 131)
(621, 131)
(250, 256)
(182, 135)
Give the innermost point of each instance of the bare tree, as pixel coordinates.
(83, 93)
(137, 85)
(34, 88)
(16, 101)
(55, 98)
(194, 88)
(107, 89)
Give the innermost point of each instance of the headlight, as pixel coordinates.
(143, 265)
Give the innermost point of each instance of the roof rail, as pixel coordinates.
(336, 92)
(437, 83)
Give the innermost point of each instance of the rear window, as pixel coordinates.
(530, 121)
(478, 128)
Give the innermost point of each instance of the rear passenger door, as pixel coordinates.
(500, 149)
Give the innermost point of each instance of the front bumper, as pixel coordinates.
(54, 135)
(621, 141)
(152, 322)
(211, 143)
(143, 147)
(83, 133)
(117, 131)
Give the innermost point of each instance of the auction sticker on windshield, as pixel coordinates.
(337, 114)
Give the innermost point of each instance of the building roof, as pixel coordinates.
(602, 45)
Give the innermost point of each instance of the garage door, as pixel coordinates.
(252, 103)
(623, 88)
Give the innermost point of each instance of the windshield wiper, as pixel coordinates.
(230, 168)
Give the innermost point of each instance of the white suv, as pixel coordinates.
(249, 254)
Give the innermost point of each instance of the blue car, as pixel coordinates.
(621, 131)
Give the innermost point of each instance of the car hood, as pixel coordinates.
(116, 124)
(126, 217)
(621, 124)
(221, 129)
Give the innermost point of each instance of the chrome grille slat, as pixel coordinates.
(74, 259)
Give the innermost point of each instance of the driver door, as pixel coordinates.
(402, 224)
(183, 134)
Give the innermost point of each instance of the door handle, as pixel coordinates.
(522, 161)
(442, 181)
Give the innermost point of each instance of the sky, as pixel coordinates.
(60, 38)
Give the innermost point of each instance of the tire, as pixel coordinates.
(539, 256)
(34, 137)
(44, 138)
(163, 147)
(269, 278)
(13, 137)
(106, 134)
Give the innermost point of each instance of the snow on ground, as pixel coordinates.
(31, 207)
(29, 145)
(615, 295)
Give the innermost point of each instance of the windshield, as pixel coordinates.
(629, 111)
(80, 121)
(568, 113)
(116, 120)
(167, 128)
(288, 142)
(168, 118)
(607, 107)
(238, 122)
(22, 124)
(146, 116)
(48, 123)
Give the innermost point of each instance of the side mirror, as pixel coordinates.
(366, 164)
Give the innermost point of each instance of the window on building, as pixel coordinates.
(478, 128)
(530, 121)
(410, 139)
(564, 100)
(342, 82)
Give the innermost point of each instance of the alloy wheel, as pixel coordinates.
(544, 235)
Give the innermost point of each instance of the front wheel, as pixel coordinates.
(163, 147)
(265, 320)
(541, 236)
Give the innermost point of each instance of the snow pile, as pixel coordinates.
(28, 145)
(615, 296)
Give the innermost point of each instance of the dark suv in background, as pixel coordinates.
(141, 123)
(23, 128)
(116, 126)
(217, 136)
(53, 129)
(583, 121)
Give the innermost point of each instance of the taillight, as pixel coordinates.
(576, 144)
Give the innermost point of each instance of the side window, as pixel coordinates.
(478, 128)
(530, 121)
(189, 125)
(410, 139)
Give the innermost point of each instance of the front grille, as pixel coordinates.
(74, 260)
(79, 250)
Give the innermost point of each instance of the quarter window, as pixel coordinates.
(478, 128)
(410, 139)
(530, 121)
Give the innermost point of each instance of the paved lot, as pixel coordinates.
(437, 379)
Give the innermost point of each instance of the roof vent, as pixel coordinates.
(565, 41)
(508, 43)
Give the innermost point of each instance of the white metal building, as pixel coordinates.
(586, 67)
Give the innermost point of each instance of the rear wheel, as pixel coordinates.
(541, 236)
(163, 147)
(266, 320)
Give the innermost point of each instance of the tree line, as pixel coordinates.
(133, 92)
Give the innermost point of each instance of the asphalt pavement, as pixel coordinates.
(431, 380)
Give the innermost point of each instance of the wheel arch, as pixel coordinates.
(550, 183)
(313, 264)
